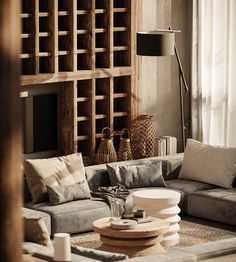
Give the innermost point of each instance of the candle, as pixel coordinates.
(62, 250)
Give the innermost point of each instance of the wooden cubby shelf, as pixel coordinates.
(87, 47)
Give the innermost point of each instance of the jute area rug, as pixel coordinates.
(192, 231)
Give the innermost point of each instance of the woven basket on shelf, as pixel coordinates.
(125, 152)
(143, 135)
(106, 152)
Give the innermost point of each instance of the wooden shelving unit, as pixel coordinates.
(88, 48)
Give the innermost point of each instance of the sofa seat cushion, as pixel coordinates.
(186, 187)
(30, 213)
(74, 217)
(129, 200)
(216, 204)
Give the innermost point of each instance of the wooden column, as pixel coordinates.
(10, 133)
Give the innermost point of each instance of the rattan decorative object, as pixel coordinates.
(106, 152)
(142, 136)
(125, 152)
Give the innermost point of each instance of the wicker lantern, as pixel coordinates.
(125, 152)
(143, 135)
(106, 152)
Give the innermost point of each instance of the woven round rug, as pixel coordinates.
(192, 231)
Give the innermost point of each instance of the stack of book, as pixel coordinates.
(166, 145)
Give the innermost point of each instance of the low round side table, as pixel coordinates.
(161, 203)
(142, 241)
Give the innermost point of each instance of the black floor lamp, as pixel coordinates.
(162, 43)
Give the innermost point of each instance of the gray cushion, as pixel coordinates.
(215, 204)
(62, 194)
(98, 254)
(136, 176)
(30, 213)
(75, 216)
(210, 164)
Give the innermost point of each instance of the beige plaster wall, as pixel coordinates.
(159, 82)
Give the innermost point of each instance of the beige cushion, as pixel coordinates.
(210, 164)
(65, 170)
(35, 230)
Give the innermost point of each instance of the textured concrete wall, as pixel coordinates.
(159, 75)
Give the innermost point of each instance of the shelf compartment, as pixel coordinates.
(83, 4)
(122, 85)
(64, 43)
(46, 64)
(102, 60)
(122, 58)
(45, 24)
(82, 129)
(121, 122)
(121, 3)
(64, 23)
(44, 5)
(101, 20)
(84, 61)
(28, 6)
(120, 105)
(28, 25)
(100, 124)
(101, 40)
(64, 5)
(84, 146)
(121, 19)
(102, 107)
(83, 110)
(83, 41)
(27, 46)
(121, 38)
(84, 88)
(100, 4)
(102, 86)
(28, 66)
(65, 62)
(83, 22)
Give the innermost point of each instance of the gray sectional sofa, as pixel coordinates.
(197, 199)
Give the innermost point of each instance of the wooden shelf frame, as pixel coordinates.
(83, 45)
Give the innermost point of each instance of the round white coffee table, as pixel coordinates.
(161, 203)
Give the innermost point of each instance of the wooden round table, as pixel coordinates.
(143, 240)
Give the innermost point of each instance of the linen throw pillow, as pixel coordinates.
(65, 170)
(137, 175)
(210, 164)
(62, 194)
(35, 230)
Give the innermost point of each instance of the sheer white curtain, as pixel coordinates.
(214, 71)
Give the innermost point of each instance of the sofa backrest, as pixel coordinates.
(97, 175)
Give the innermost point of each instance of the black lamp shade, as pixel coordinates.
(155, 43)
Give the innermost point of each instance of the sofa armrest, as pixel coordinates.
(30, 213)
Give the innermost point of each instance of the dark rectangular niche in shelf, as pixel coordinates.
(84, 61)
(44, 5)
(83, 4)
(122, 84)
(84, 88)
(28, 66)
(28, 6)
(102, 60)
(122, 58)
(84, 147)
(100, 4)
(121, 3)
